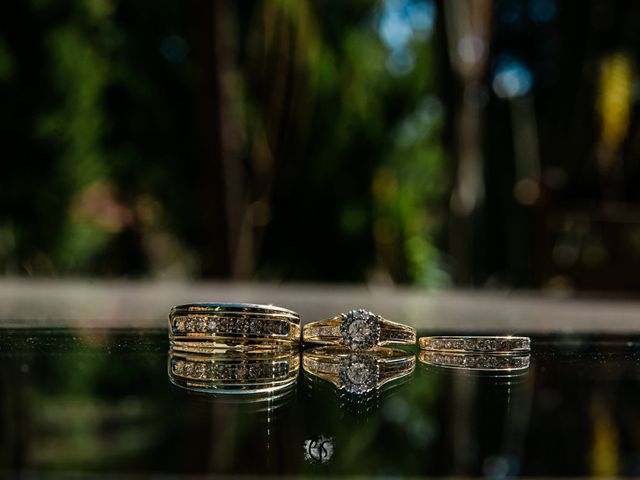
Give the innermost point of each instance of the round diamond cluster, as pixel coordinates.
(225, 371)
(360, 329)
(217, 325)
(359, 373)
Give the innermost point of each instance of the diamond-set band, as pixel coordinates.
(476, 344)
(197, 327)
(358, 330)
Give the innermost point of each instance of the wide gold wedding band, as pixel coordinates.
(203, 326)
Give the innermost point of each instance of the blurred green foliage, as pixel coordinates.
(93, 146)
(337, 138)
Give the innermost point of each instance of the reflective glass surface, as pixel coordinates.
(102, 402)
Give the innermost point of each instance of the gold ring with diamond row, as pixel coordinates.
(490, 362)
(202, 326)
(477, 344)
(360, 371)
(358, 330)
(224, 372)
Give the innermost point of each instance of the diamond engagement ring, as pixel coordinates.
(202, 326)
(358, 330)
(358, 372)
(481, 344)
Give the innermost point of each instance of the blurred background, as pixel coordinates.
(473, 143)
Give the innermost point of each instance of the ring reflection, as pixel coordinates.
(498, 364)
(358, 372)
(255, 375)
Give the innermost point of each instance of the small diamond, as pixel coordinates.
(254, 326)
(178, 325)
(199, 370)
(280, 328)
(190, 326)
(188, 368)
(211, 325)
(243, 326)
(178, 367)
(201, 325)
(266, 328)
(491, 362)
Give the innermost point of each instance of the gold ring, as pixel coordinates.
(202, 326)
(234, 372)
(358, 372)
(478, 344)
(476, 361)
(358, 330)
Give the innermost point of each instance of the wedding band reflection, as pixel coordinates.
(358, 372)
(259, 375)
(498, 364)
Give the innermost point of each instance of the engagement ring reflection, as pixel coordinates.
(358, 372)
(497, 363)
(232, 372)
